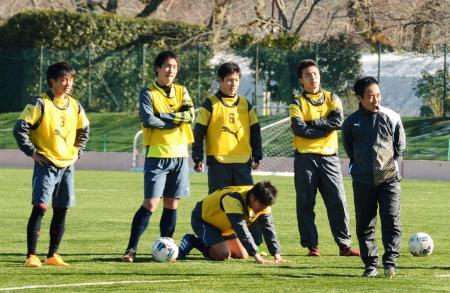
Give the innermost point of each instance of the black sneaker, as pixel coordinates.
(370, 272)
(186, 245)
(129, 255)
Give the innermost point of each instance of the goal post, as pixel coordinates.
(138, 152)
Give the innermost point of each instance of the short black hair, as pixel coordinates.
(59, 69)
(265, 193)
(162, 57)
(305, 64)
(362, 83)
(228, 68)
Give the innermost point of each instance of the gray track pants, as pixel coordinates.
(368, 198)
(312, 172)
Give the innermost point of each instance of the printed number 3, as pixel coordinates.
(62, 121)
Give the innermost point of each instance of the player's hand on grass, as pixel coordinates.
(277, 259)
(260, 260)
(199, 167)
(40, 159)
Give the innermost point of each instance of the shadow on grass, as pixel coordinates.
(146, 258)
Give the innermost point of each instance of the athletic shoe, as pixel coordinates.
(33, 261)
(129, 255)
(370, 272)
(55, 260)
(186, 245)
(390, 272)
(348, 251)
(313, 251)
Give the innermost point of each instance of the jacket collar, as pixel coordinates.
(366, 111)
(170, 90)
(315, 102)
(51, 95)
(221, 95)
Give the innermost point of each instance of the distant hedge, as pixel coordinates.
(113, 57)
(107, 51)
(66, 30)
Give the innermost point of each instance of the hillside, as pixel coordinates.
(427, 138)
(114, 132)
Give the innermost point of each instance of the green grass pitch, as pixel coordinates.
(98, 227)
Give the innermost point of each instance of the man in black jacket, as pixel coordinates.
(374, 140)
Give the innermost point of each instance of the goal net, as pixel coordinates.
(276, 137)
(276, 134)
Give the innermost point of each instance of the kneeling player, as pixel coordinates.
(221, 222)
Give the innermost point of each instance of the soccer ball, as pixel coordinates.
(420, 244)
(164, 249)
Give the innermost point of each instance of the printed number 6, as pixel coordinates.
(231, 118)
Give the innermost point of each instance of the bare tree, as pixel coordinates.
(219, 20)
(260, 9)
(150, 7)
(338, 13)
(281, 6)
(262, 23)
(302, 23)
(417, 24)
(362, 16)
(34, 4)
(413, 24)
(428, 18)
(285, 21)
(112, 5)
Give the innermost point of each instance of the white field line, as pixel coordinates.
(443, 276)
(86, 190)
(267, 173)
(89, 284)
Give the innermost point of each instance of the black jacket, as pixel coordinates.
(373, 142)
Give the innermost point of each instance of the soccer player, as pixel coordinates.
(53, 130)
(166, 111)
(220, 222)
(374, 140)
(316, 115)
(230, 127)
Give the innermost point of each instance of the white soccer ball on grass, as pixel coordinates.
(164, 249)
(420, 244)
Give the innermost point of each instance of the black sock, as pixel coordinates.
(56, 230)
(140, 223)
(168, 222)
(34, 229)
